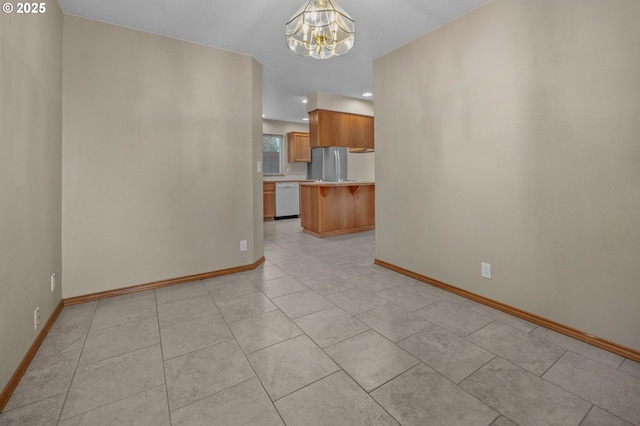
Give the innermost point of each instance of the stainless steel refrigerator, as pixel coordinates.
(328, 164)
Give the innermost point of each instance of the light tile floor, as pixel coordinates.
(318, 335)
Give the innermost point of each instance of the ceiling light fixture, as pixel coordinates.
(367, 94)
(305, 119)
(320, 29)
(304, 101)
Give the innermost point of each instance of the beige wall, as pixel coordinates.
(30, 184)
(511, 136)
(361, 166)
(333, 102)
(275, 127)
(159, 148)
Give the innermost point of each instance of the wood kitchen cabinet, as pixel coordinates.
(328, 209)
(331, 128)
(298, 148)
(269, 200)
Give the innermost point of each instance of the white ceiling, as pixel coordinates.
(256, 28)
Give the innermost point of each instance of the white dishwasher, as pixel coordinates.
(287, 199)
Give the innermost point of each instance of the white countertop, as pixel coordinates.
(286, 178)
(341, 183)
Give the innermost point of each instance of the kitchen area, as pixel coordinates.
(326, 174)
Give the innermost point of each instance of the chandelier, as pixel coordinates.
(321, 29)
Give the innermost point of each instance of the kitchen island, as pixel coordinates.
(336, 208)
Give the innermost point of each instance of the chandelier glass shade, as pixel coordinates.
(320, 29)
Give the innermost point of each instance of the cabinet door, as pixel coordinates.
(314, 129)
(298, 148)
(327, 128)
(331, 128)
(269, 204)
(361, 132)
(269, 200)
(303, 149)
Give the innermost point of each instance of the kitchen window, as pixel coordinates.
(272, 154)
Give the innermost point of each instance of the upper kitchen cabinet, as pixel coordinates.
(331, 128)
(298, 148)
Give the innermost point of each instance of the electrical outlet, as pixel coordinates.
(53, 282)
(243, 245)
(259, 167)
(36, 318)
(486, 270)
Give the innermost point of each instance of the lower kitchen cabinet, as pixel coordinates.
(269, 200)
(328, 209)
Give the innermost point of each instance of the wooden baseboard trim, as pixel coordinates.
(612, 347)
(338, 232)
(159, 284)
(26, 361)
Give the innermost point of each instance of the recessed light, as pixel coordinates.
(305, 119)
(367, 94)
(262, 115)
(304, 101)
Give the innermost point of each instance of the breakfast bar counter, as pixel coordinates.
(336, 208)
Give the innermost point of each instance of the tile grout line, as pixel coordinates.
(73, 376)
(247, 359)
(586, 414)
(164, 370)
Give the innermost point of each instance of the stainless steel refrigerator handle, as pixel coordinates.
(336, 155)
